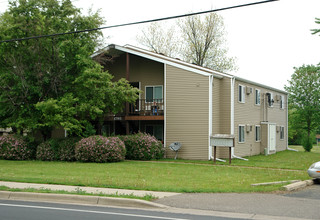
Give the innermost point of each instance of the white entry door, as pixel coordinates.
(272, 137)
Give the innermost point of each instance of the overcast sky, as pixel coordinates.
(268, 40)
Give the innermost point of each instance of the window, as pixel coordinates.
(257, 97)
(258, 133)
(270, 99)
(241, 133)
(154, 93)
(281, 102)
(155, 130)
(281, 133)
(241, 93)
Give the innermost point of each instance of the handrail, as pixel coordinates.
(147, 107)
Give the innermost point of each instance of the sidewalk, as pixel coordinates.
(233, 205)
(93, 190)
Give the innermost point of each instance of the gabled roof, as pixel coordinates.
(178, 63)
(163, 59)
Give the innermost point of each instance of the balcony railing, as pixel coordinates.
(147, 107)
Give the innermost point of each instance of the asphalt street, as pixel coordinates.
(304, 203)
(18, 210)
(300, 204)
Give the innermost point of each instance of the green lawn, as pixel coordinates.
(165, 175)
(281, 160)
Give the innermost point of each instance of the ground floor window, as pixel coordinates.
(155, 130)
(241, 133)
(258, 133)
(281, 133)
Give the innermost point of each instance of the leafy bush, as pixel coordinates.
(47, 150)
(100, 149)
(13, 147)
(66, 148)
(143, 147)
(307, 143)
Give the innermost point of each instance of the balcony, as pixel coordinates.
(147, 107)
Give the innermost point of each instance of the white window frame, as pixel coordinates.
(258, 138)
(241, 98)
(270, 105)
(281, 132)
(153, 86)
(241, 127)
(257, 92)
(281, 101)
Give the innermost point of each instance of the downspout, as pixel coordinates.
(165, 109)
(210, 114)
(232, 118)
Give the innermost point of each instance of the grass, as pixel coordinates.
(163, 176)
(169, 175)
(281, 160)
(148, 197)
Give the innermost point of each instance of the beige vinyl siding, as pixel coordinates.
(279, 116)
(216, 116)
(249, 113)
(187, 112)
(221, 105)
(225, 106)
(145, 71)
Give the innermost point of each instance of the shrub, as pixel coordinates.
(100, 149)
(143, 147)
(47, 150)
(307, 143)
(66, 148)
(13, 147)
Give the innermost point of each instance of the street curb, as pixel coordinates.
(298, 185)
(79, 199)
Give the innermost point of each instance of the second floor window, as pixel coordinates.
(257, 97)
(282, 102)
(154, 94)
(241, 93)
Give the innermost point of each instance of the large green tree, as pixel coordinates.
(304, 101)
(52, 81)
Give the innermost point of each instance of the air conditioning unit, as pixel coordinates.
(249, 128)
(249, 90)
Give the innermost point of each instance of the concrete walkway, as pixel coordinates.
(93, 190)
(233, 205)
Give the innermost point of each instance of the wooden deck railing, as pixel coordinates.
(147, 107)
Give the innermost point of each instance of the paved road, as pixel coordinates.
(301, 204)
(311, 192)
(17, 210)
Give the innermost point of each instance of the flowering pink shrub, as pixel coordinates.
(14, 148)
(100, 149)
(143, 147)
(66, 149)
(47, 151)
